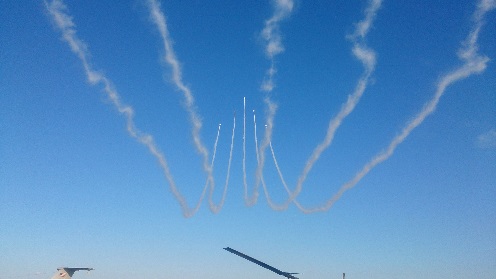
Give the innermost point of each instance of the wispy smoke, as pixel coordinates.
(272, 36)
(367, 57)
(213, 207)
(487, 140)
(474, 63)
(63, 21)
(159, 20)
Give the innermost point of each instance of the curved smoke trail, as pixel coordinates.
(271, 34)
(474, 63)
(63, 21)
(367, 57)
(159, 20)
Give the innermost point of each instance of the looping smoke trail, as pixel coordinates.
(474, 64)
(159, 20)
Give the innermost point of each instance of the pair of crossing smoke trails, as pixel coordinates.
(473, 63)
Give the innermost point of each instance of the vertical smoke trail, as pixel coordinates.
(245, 184)
(367, 57)
(63, 21)
(272, 36)
(159, 20)
(170, 57)
(260, 177)
(474, 63)
(266, 192)
(253, 199)
(285, 205)
(213, 207)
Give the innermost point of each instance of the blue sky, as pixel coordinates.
(77, 189)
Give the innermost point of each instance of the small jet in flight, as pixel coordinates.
(288, 275)
(67, 272)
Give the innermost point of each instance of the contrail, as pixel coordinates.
(259, 175)
(63, 21)
(474, 63)
(245, 184)
(254, 197)
(272, 36)
(367, 57)
(266, 192)
(159, 20)
(252, 200)
(213, 207)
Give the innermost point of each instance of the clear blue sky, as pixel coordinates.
(77, 190)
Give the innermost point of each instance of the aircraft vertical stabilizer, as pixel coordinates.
(67, 272)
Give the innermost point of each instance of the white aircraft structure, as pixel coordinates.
(67, 272)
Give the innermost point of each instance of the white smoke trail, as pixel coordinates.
(63, 21)
(367, 57)
(284, 206)
(213, 207)
(272, 36)
(266, 192)
(159, 20)
(259, 175)
(253, 199)
(245, 184)
(474, 63)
